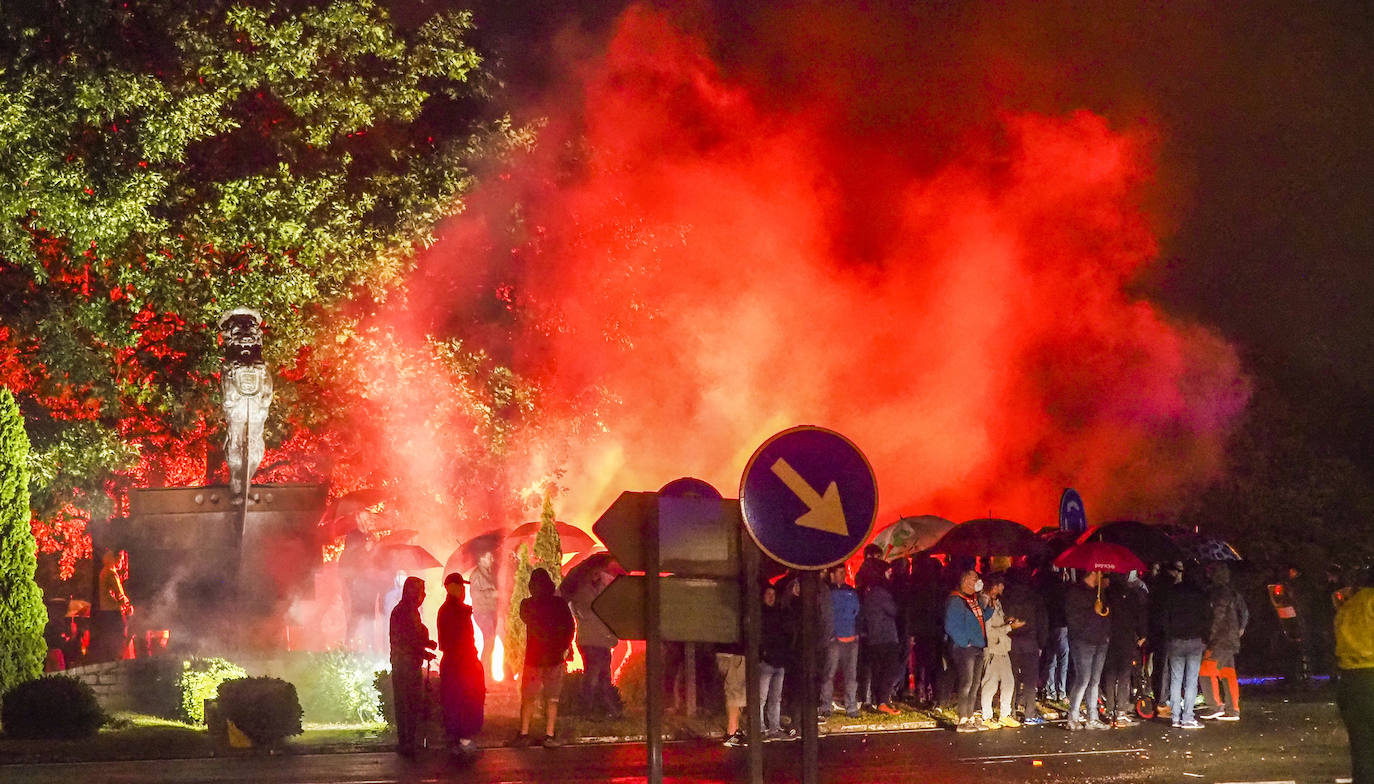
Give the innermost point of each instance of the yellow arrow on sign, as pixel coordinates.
(827, 514)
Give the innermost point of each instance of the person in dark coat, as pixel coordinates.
(1089, 632)
(410, 649)
(775, 652)
(548, 645)
(1130, 625)
(881, 641)
(1186, 619)
(462, 685)
(1021, 602)
(925, 627)
(1230, 616)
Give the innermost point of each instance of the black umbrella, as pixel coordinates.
(586, 568)
(1150, 543)
(988, 537)
(465, 558)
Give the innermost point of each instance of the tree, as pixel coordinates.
(22, 614)
(548, 545)
(163, 162)
(547, 555)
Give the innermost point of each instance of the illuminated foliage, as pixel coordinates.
(163, 162)
(22, 615)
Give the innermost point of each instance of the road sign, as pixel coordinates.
(690, 609)
(696, 536)
(1073, 518)
(808, 497)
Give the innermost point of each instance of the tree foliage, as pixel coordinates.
(22, 614)
(514, 641)
(163, 162)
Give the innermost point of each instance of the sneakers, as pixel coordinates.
(1009, 721)
(966, 726)
(852, 714)
(888, 709)
(1212, 714)
(1073, 725)
(1097, 724)
(736, 740)
(550, 742)
(979, 726)
(1190, 725)
(1228, 717)
(1163, 712)
(993, 724)
(519, 741)
(1034, 721)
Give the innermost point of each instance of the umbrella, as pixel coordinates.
(341, 516)
(465, 558)
(1099, 557)
(406, 558)
(911, 534)
(584, 569)
(988, 537)
(1201, 547)
(570, 537)
(1151, 543)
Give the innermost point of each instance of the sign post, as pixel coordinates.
(1073, 518)
(808, 498)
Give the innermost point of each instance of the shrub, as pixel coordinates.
(56, 706)
(200, 681)
(265, 709)
(22, 614)
(338, 686)
(155, 686)
(381, 681)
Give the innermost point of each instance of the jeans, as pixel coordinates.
(841, 654)
(598, 695)
(1088, 660)
(967, 664)
(1118, 682)
(1185, 657)
(1056, 656)
(885, 667)
(1025, 669)
(770, 696)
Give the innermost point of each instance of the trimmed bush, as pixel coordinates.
(267, 710)
(56, 706)
(155, 686)
(22, 614)
(200, 681)
(338, 686)
(381, 681)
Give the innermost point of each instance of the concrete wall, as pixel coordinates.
(109, 681)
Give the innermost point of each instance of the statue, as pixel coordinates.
(247, 388)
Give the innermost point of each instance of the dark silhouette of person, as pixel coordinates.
(462, 685)
(410, 649)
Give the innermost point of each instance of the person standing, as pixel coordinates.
(966, 628)
(595, 641)
(1354, 642)
(109, 630)
(842, 650)
(485, 597)
(1129, 622)
(1230, 616)
(410, 649)
(1055, 656)
(548, 644)
(882, 643)
(462, 687)
(925, 628)
(997, 674)
(1185, 622)
(1021, 602)
(1089, 633)
(775, 650)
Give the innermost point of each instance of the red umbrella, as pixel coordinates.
(1099, 557)
(572, 538)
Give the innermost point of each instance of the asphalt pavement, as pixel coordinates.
(1281, 739)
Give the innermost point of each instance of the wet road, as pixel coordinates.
(1279, 741)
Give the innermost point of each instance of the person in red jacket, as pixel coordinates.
(462, 686)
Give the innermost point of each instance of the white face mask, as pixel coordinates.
(977, 586)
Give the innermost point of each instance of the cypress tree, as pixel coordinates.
(548, 545)
(514, 640)
(22, 614)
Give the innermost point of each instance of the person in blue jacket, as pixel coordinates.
(966, 628)
(843, 647)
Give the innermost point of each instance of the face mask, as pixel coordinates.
(977, 586)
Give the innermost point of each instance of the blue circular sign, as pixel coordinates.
(808, 497)
(1072, 516)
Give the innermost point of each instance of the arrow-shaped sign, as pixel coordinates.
(826, 513)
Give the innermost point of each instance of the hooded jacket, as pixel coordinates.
(879, 611)
(1230, 616)
(999, 629)
(548, 623)
(1021, 602)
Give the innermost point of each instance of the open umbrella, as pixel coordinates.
(988, 537)
(1099, 557)
(1202, 547)
(910, 535)
(1150, 543)
(572, 538)
(341, 516)
(406, 558)
(584, 569)
(465, 558)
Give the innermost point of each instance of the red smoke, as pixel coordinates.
(706, 269)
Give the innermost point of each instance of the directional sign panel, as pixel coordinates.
(690, 609)
(808, 497)
(1073, 518)
(696, 535)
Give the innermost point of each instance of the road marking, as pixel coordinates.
(1051, 754)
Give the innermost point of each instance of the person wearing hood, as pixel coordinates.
(410, 649)
(595, 641)
(548, 645)
(1130, 622)
(1221, 688)
(966, 628)
(997, 674)
(881, 639)
(1185, 619)
(462, 684)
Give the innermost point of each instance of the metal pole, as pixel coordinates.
(753, 622)
(653, 653)
(810, 736)
(689, 672)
